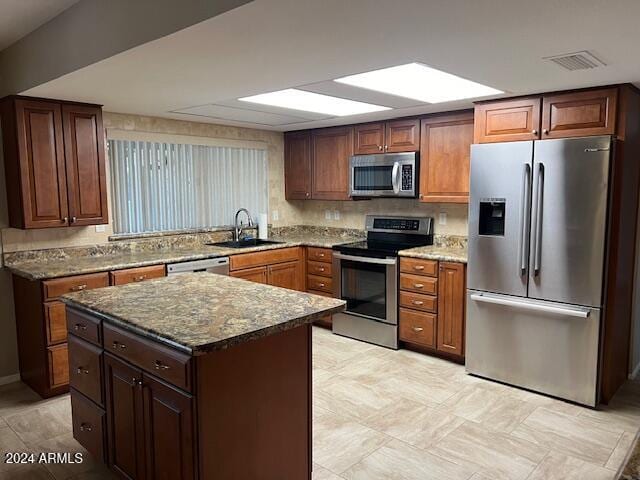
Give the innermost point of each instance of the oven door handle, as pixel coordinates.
(395, 180)
(354, 258)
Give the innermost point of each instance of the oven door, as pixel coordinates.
(368, 285)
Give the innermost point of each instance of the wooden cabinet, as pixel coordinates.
(331, 149)
(451, 298)
(507, 120)
(394, 136)
(445, 150)
(431, 299)
(320, 277)
(135, 275)
(54, 163)
(281, 267)
(579, 114)
(297, 165)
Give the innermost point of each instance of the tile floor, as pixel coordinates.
(382, 415)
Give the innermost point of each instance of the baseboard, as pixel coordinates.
(9, 379)
(636, 371)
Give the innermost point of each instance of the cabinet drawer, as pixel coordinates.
(318, 292)
(56, 322)
(84, 326)
(418, 283)
(418, 301)
(58, 365)
(131, 275)
(269, 257)
(419, 266)
(54, 288)
(165, 363)
(320, 268)
(323, 284)
(418, 327)
(319, 254)
(88, 425)
(85, 369)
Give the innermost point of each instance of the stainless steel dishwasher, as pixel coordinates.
(212, 265)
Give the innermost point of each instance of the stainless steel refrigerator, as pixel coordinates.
(537, 236)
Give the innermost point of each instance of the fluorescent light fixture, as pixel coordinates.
(313, 102)
(418, 82)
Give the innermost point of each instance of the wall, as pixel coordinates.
(634, 356)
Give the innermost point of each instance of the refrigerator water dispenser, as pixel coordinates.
(491, 221)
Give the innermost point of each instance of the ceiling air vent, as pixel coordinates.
(576, 61)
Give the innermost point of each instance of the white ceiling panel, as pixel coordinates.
(244, 115)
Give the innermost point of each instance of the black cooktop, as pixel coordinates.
(380, 249)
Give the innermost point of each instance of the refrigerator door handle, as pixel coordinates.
(538, 236)
(507, 302)
(524, 220)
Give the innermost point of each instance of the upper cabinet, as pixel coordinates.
(572, 114)
(392, 137)
(444, 157)
(54, 160)
(330, 152)
(297, 165)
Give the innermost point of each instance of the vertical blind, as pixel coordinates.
(170, 186)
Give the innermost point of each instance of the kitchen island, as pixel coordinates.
(194, 376)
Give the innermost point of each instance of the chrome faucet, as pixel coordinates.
(238, 227)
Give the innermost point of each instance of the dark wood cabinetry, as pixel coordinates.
(297, 165)
(394, 136)
(445, 157)
(507, 120)
(451, 298)
(54, 163)
(283, 267)
(330, 150)
(369, 138)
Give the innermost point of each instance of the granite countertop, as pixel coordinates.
(202, 312)
(42, 269)
(432, 252)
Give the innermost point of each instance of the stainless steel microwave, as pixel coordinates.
(383, 175)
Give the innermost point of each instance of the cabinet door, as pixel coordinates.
(579, 114)
(125, 421)
(297, 165)
(330, 151)
(444, 158)
(42, 166)
(402, 136)
(258, 274)
(451, 308)
(286, 275)
(169, 430)
(369, 138)
(507, 120)
(85, 163)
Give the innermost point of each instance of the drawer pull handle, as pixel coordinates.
(321, 285)
(418, 302)
(118, 344)
(140, 278)
(321, 255)
(418, 329)
(321, 269)
(85, 427)
(79, 326)
(418, 267)
(78, 288)
(160, 366)
(82, 370)
(418, 285)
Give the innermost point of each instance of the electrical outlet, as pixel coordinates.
(336, 214)
(101, 228)
(442, 218)
(275, 215)
(327, 214)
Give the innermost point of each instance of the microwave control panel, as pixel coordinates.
(407, 177)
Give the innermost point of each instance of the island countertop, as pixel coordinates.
(201, 312)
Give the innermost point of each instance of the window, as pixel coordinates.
(160, 186)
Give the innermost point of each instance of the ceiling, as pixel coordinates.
(20, 17)
(198, 73)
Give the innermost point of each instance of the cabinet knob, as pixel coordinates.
(418, 302)
(380, 147)
(545, 131)
(158, 365)
(140, 278)
(321, 269)
(136, 381)
(86, 427)
(418, 329)
(386, 147)
(321, 284)
(534, 131)
(73, 219)
(79, 326)
(418, 285)
(64, 220)
(82, 370)
(78, 288)
(418, 267)
(122, 346)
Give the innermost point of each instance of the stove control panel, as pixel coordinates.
(401, 224)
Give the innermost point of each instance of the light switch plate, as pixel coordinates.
(327, 214)
(336, 214)
(275, 215)
(101, 228)
(442, 218)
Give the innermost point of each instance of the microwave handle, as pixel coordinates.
(395, 179)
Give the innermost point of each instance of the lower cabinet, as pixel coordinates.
(280, 267)
(451, 298)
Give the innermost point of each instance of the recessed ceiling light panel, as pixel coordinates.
(295, 99)
(419, 82)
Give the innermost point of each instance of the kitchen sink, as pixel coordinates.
(252, 242)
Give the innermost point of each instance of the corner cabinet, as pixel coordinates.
(54, 155)
(445, 149)
(297, 165)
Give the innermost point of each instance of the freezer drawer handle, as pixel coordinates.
(572, 312)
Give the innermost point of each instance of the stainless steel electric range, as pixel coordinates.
(367, 277)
